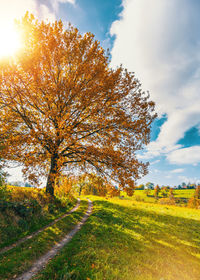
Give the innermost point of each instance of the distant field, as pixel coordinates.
(129, 240)
(184, 193)
(177, 193)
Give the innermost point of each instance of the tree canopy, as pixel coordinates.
(62, 106)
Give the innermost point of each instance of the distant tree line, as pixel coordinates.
(151, 186)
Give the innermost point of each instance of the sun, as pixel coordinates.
(10, 41)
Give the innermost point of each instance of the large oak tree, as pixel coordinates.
(63, 106)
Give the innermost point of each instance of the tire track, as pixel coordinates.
(42, 262)
(7, 248)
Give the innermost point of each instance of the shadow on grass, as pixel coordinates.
(120, 242)
(20, 259)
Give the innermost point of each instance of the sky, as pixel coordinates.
(160, 42)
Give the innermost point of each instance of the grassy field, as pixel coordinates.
(182, 194)
(26, 210)
(125, 239)
(19, 259)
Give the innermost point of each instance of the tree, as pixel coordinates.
(62, 106)
(27, 185)
(3, 174)
(140, 187)
(164, 191)
(171, 192)
(82, 183)
(194, 201)
(183, 185)
(129, 191)
(150, 185)
(197, 192)
(156, 191)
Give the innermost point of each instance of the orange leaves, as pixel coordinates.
(129, 191)
(63, 106)
(113, 191)
(64, 186)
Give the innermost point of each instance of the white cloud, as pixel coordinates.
(44, 9)
(192, 180)
(67, 1)
(154, 171)
(189, 155)
(178, 170)
(48, 9)
(163, 50)
(155, 161)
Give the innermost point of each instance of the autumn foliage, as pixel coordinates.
(62, 106)
(194, 202)
(197, 192)
(64, 187)
(156, 191)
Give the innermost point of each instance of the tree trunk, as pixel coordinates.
(80, 190)
(52, 175)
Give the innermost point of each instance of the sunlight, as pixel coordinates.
(10, 41)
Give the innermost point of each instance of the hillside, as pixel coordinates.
(25, 210)
(124, 239)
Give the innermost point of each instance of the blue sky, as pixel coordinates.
(160, 42)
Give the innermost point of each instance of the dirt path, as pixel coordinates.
(42, 262)
(5, 249)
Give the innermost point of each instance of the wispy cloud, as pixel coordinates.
(48, 9)
(178, 170)
(155, 161)
(187, 180)
(163, 50)
(44, 9)
(189, 155)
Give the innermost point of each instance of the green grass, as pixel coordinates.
(13, 227)
(25, 210)
(184, 193)
(19, 259)
(125, 239)
(140, 195)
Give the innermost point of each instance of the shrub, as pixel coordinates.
(171, 192)
(52, 208)
(35, 207)
(23, 224)
(64, 186)
(4, 193)
(113, 191)
(164, 192)
(197, 192)
(147, 192)
(156, 191)
(194, 203)
(167, 201)
(129, 191)
(138, 198)
(5, 205)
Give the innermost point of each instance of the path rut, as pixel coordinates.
(7, 248)
(42, 262)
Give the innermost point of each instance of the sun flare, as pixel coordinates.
(10, 41)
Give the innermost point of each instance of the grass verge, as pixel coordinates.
(25, 210)
(127, 240)
(20, 259)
